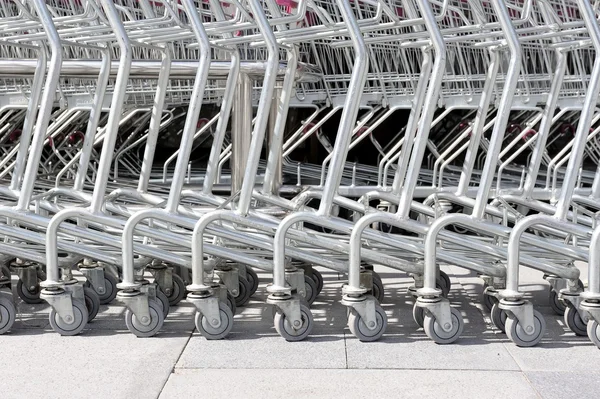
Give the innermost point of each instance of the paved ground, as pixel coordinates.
(108, 362)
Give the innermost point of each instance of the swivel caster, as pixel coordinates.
(311, 289)
(208, 331)
(8, 313)
(516, 334)
(92, 302)
(79, 321)
(231, 303)
(488, 300)
(574, 322)
(285, 329)
(244, 292)
(110, 288)
(177, 292)
(499, 317)
(156, 321)
(419, 315)
(361, 331)
(378, 290)
(163, 302)
(593, 332)
(252, 278)
(435, 332)
(30, 295)
(318, 278)
(556, 304)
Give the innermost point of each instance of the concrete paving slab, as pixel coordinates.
(43, 364)
(565, 384)
(347, 384)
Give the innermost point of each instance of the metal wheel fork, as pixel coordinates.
(365, 307)
(290, 306)
(440, 308)
(523, 311)
(61, 299)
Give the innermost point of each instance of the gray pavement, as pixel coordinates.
(254, 362)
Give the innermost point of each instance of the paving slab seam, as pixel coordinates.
(174, 365)
(346, 350)
(531, 385)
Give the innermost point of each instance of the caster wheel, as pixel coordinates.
(434, 330)
(444, 276)
(210, 332)
(311, 289)
(284, 328)
(110, 285)
(243, 292)
(359, 329)
(92, 302)
(156, 321)
(556, 304)
(318, 278)
(593, 332)
(252, 278)
(30, 297)
(81, 317)
(574, 322)
(177, 292)
(231, 303)
(8, 314)
(378, 290)
(441, 284)
(418, 315)
(488, 300)
(163, 302)
(515, 332)
(499, 317)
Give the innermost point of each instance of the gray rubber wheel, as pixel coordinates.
(110, 292)
(243, 292)
(252, 278)
(30, 297)
(231, 303)
(556, 304)
(574, 322)
(284, 328)
(418, 315)
(434, 330)
(593, 332)
(311, 289)
(318, 278)
(156, 321)
(177, 292)
(444, 276)
(92, 302)
(378, 290)
(517, 335)
(499, 317)
(80, 315)
(8, 314)
(488, 300)
(442, 284)
(210, 332)
(359, 329)
(163, 302)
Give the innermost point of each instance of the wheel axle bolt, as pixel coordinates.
(145, 319)
(234, 292)
(447, 326)
(297, 323)
(214, 322)
(68, 319)
(32, 288)
(371, 324)
(529, 329)
(100, 290)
